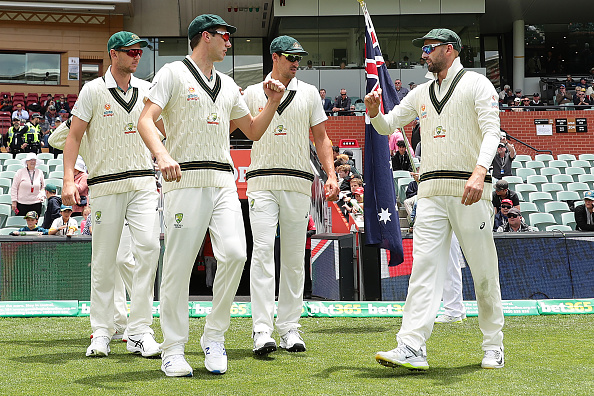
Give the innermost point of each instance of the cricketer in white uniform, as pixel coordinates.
(122, 185)
(279, 190)
(459, 116)
(197, 104)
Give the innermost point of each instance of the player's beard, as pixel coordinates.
(437, 64)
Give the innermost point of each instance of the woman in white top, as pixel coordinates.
(27, 191)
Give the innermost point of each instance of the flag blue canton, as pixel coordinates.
(382, 225)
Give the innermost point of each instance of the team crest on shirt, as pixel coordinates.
(260, 109)
(495, 102)
(280, 130)
(108, 112)
(192, 94)
(129, 128)
(213, 119)
(178, 219)
(423, 111)
(439, 132)
(98, 217)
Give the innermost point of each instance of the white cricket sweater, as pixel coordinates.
(117, 159)
(459, 129)
(280, 159)
(197, 114)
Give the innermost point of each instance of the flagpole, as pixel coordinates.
(406, 143)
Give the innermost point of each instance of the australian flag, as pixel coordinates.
(382, 225)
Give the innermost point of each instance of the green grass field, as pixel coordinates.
(545, 355)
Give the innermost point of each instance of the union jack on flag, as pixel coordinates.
(382, 225)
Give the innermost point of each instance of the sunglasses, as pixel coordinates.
(429, 48)
(512, 216)
(132, 53)
(292, 58)
(225, 35)
(506, 206)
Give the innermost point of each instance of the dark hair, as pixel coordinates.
(334, 148)
(400, 143)
(195, 40)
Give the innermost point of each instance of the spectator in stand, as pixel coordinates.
(411, 193)
(401, 159)
(536, 100)
(515, 223)
(34, 107)
(580, 98)
(506, 95)
(501, 216)
(80, 181)
(64, 225)
(355, 182)
(502, 162)
(20, 113)
(400, 90)
(517, 104)
(32, 218)
(62, 104)
(342, 104)
(502, 192)
(326, 103)
(583, 83)
(51, 115)
(85, 214)
(411, 86)
(568, 82)
(584, 213)
(335, 152)
(27, 185)
(563, 96)
(344, 177)
(54, 202)
(311, 231)
(518, 94)
(6, 103)
(351, 162)
(526, 102)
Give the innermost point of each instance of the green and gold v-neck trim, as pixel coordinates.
(216, 89)
(129, 105)
(440, 104)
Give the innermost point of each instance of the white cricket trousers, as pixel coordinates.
(436, 218)
(189, 212)
(452, 285)
(290, 210)
(123, 279)
(139, 209)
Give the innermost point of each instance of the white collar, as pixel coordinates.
(110, 81)
(452, 71)
(212, 73)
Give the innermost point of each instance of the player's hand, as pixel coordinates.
(331, 190)
(274, 89)
(473, 190)
(70, 195)
(372, 102)
(169, 168)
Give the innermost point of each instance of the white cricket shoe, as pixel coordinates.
(450, 319)
(292, 341)
(263, 343)
(143, 344)
(176, 366)
(215, 355)
(99, 346)
(493, 359)
(119, 335)
(404, 356)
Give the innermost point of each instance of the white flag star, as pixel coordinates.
(385, 215)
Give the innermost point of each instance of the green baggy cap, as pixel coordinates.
(441, 34)
(288, 45)
(206, 21)
(124, 39)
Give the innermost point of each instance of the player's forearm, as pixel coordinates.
(148, 132)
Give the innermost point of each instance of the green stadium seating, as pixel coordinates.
(539, 199)
(537, 180)
(568, 219)
(549, 172)
(536, 165)
(541, 220)
(556, 208)
(524, 173)
(552, 188)
(558, 227)
(566, 157)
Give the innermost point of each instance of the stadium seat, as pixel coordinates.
(56, 174)
(402, 185)
(542, 220)
(13, 167)
(556, 208)
(558, 227)
(55, 162)
(536, 165)
(566, 157)
(11, 161)
(575, 172)
(559, 164)
(5, 199)
(513, 181)
(524, 172)
(549, 172)
(537, 180)
(546, 158)
(8, 230)
(21, 156)
(587, 157)
(552, 188)
(57, 182)
(527, 208)
(588, 179)
(578, 187)
(563, 179)
(523, 158)
(4, 157)
(516, 165)
(5, 212)
(16, 221)
(539, 198)
(5, 185)
(524, 189)
(45, 157)
(7, 175)
(44, 168)
(59, 168)
(400, 173)
(568, 219)
(580, 164)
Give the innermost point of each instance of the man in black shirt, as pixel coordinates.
(401, 160)
(503, 192)
(342, 104)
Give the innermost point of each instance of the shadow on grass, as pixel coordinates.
(65, 357)
(111, 381)
(353, 330)
(70, 342)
